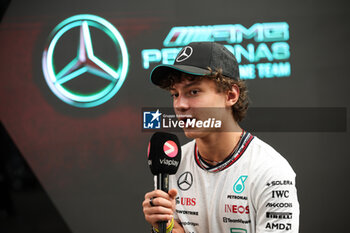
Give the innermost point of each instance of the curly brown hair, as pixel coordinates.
(223, 84)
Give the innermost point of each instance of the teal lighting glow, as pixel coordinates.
(229, 33)
(85, 62)
(262, 50)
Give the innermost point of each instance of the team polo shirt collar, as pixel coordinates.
(235, 155)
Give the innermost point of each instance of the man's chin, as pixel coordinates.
(192, 133)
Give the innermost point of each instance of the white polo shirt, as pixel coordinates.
(252, 191)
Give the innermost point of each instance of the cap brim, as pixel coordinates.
(161, 72)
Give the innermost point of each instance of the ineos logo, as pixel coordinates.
(185, 181)
(184, 54)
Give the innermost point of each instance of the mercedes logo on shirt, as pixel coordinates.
(185, 181)
(184, 54)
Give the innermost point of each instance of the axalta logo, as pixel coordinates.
(87, 80)
(169, 162)
(279, 205)
(237, 209)
(186, 201)
(239, 186)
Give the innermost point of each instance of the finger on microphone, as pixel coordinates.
(157, 193)
(172, 193)
(162, 202)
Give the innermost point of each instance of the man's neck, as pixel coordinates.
(217, 146)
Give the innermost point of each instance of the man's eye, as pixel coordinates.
(174, 95)
(194, 92)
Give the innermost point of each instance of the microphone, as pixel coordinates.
(164, 156)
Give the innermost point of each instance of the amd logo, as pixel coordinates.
(278, 226)
(280, 193)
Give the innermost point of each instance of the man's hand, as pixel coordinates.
(163, 209)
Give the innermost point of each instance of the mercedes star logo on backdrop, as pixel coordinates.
(85, 63)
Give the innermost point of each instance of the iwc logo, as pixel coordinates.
(86, 63)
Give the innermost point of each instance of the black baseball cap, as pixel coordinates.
(196, 57)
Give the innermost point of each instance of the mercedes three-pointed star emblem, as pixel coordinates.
(184, 54)
(185, 181)
(85, 62)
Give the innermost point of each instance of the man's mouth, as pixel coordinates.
(185, 119)
(187, 122)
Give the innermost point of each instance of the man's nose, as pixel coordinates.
(181, 104)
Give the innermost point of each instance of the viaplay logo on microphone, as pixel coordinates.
(170, 149)
(164, 153)
(166, 119)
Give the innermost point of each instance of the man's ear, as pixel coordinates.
(232, 95)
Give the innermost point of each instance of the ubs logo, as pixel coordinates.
(186, 201)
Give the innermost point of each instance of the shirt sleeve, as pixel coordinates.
(276, 203)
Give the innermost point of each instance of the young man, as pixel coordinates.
(228, 180)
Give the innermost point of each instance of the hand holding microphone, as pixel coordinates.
(164, 156)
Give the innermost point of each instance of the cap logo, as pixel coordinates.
(184, 54)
